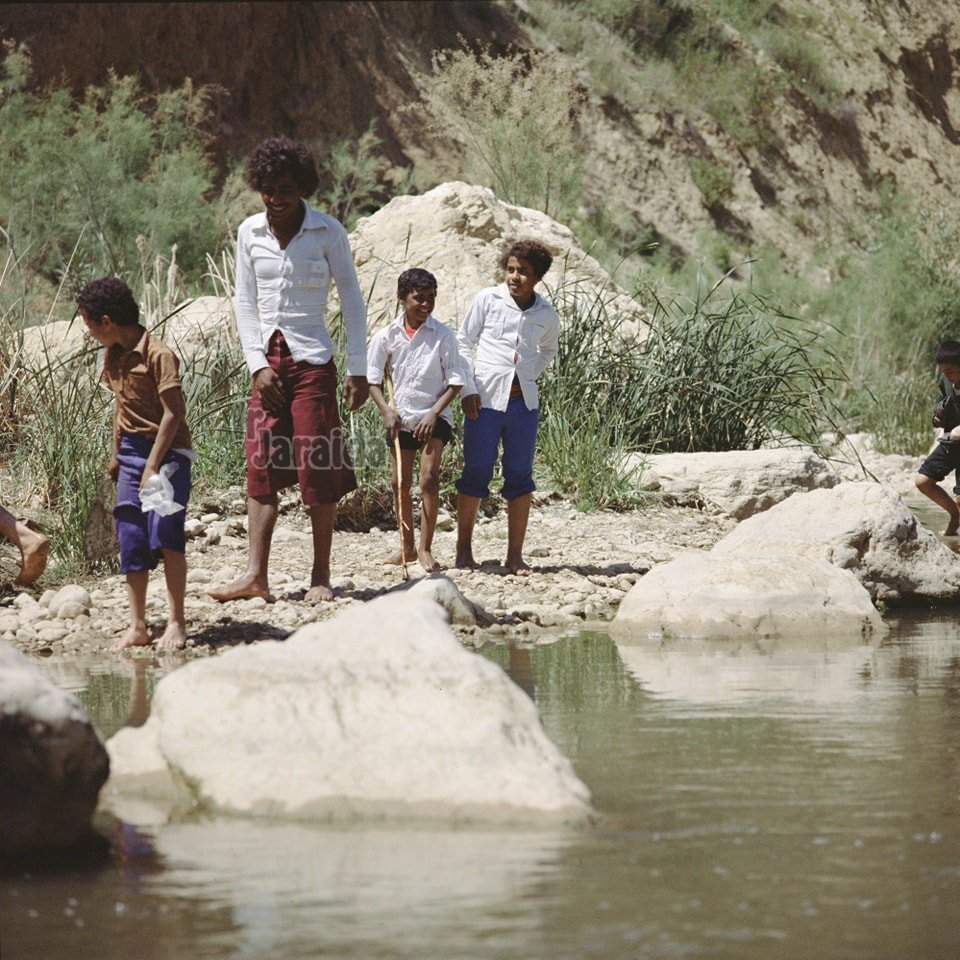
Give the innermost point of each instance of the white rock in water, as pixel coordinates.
(734, 596)
(866, 528)
(378, 710)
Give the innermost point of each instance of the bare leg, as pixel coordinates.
(34, 547)
(518, 511)
(429, 502)
(175, 572)
(136, 635)
(322, 518)
(254, 582)
(930, 488)
(467, 508)
(403, 504)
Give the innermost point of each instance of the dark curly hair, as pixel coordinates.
(278, 156)
(111, 297)
(415, 279)
(534, 252)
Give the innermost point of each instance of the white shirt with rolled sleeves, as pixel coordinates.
(493, 332)
(287, 290)
(421, 367)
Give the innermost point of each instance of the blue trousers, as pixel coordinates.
(143, 535)
(516, 429)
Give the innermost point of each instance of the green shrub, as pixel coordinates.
(82, 180)
(515, 117)
(714, 182)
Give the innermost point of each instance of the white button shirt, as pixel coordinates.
(421, 367)
(495, 330)
(287, 290)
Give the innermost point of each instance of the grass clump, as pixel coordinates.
(515, 118)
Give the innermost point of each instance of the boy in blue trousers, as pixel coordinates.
(509, 336)
(150, 431)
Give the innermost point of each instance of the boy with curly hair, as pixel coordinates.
(508, 337)
(286, 257)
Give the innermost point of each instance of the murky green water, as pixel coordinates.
(756, 801)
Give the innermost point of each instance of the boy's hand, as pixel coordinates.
(471, 406)
(269, 387)
(424, 429)
(355, 391)
(148, 472)
(392, 422)
(113, 469)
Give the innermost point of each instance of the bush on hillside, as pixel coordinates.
(81, 180)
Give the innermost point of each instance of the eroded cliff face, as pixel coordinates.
(317, 71)
(323, 71)
(897, 66)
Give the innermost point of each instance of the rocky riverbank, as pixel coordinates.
(584, 563)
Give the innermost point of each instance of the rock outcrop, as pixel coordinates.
(740, 482)
(862, 527)
(378, 711)
(52, 762)
(458, 232)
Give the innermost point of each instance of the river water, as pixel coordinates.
(755, 800)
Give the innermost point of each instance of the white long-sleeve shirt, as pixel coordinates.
(288, 289)
(494, 332)
(421, 367)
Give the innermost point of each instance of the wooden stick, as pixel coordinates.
(396, 450)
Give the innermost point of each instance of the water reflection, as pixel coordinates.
(757, 801)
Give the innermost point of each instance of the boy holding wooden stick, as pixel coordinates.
(419, 355)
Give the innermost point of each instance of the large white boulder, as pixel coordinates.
(740, 482)
(378, 710)
(710, 596)
(458, 231)
(862, 527)
(52, 762)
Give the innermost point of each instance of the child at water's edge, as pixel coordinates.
(150, 431)
(946, 455)
(419, 354)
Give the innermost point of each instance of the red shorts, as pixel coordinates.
(304, 443)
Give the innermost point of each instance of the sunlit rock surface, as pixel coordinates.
(862, 527)
(52, 763)
(378, 712)
(458, 231)
(710, 596)
(739, 482)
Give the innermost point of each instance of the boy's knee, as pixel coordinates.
(429, 481)
(923, 482)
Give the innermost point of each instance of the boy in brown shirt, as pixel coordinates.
(150, 431)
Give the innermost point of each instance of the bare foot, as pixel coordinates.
(952, 528)
(173, 638)
(34, 547)
(519, 567)
(322, 592)
(398, 558)
(465, 560)
(427, 561)
(244, 587)
(136, 636)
